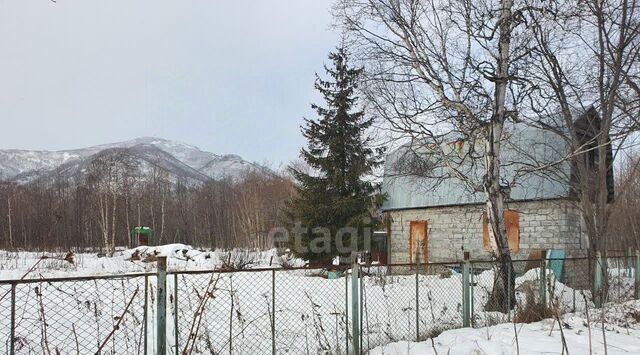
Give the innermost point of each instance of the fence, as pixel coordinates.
(298, 310)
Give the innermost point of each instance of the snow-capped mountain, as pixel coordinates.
(178, 161)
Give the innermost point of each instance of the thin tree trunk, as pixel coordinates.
(162, 217)
(126, 207)
(9, 220)
(113, 224)
(495, 204)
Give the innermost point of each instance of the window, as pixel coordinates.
(512, 222)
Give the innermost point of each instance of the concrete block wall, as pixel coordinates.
(550, 224)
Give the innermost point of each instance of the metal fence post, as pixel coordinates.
(619, 279)
(146, 312)
(12, 336)
(466, 299)
(175, 310)
(361, 307)
(543, 280)
(346, 309)
(417, 296)
(636, 275)
(273, 312)
(509, 291)
(355, 308)
(597, 280)
(161, 305)
(471, 296)
(573, 287)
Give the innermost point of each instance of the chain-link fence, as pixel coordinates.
(295, 311)
(74, 316)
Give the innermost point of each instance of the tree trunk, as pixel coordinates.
(112, 242)
(497, 230)
(103, 204)
(126, 206)
(495, 205)
(9, 220)
(161, 240)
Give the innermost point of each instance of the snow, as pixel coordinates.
(181, 257)
(537, 338)
(310, 311)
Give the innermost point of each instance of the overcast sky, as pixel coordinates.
(226, 76)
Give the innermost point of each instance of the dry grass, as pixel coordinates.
(635, 315)
(532, 309)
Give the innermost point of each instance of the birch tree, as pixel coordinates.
(9, 220)
(106, 176)
(439, 71)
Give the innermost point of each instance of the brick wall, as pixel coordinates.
(551, 224)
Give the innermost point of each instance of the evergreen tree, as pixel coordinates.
(336, 192)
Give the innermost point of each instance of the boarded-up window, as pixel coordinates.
(512, 223)
(418, 238)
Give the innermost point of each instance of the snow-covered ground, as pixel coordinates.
(312, 313)
(621, 332)
(180, 257)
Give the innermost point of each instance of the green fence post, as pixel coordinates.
(509, 291)
(161, 305)
(175, 311)
(636, 275)
(619, 279)
(361, 309)
(145, 312)
(355, 307)
(273, 312)
(12, 335)
(346, 309)
(597, 280)
(471, 296)
(543, 280)
(466, 299)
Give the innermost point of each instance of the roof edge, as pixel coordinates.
(567, 198)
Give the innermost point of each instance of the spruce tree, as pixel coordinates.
(336, 192)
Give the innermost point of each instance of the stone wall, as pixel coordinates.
(550, 224)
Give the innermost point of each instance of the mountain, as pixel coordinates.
(179, 161)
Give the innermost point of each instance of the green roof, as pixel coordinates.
(142, 230)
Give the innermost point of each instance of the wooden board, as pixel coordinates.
(534, 256)
(418, 238)
(512, 223)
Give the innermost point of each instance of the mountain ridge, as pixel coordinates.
(180, 160)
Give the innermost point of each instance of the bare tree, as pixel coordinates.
(584, 76)
(9, 215)
(441, 72)
(106, 177)
(94, 213)
(624, 224)
(8, 194)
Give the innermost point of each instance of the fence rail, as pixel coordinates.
(297, 310)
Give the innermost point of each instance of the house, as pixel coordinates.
(437, 216)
